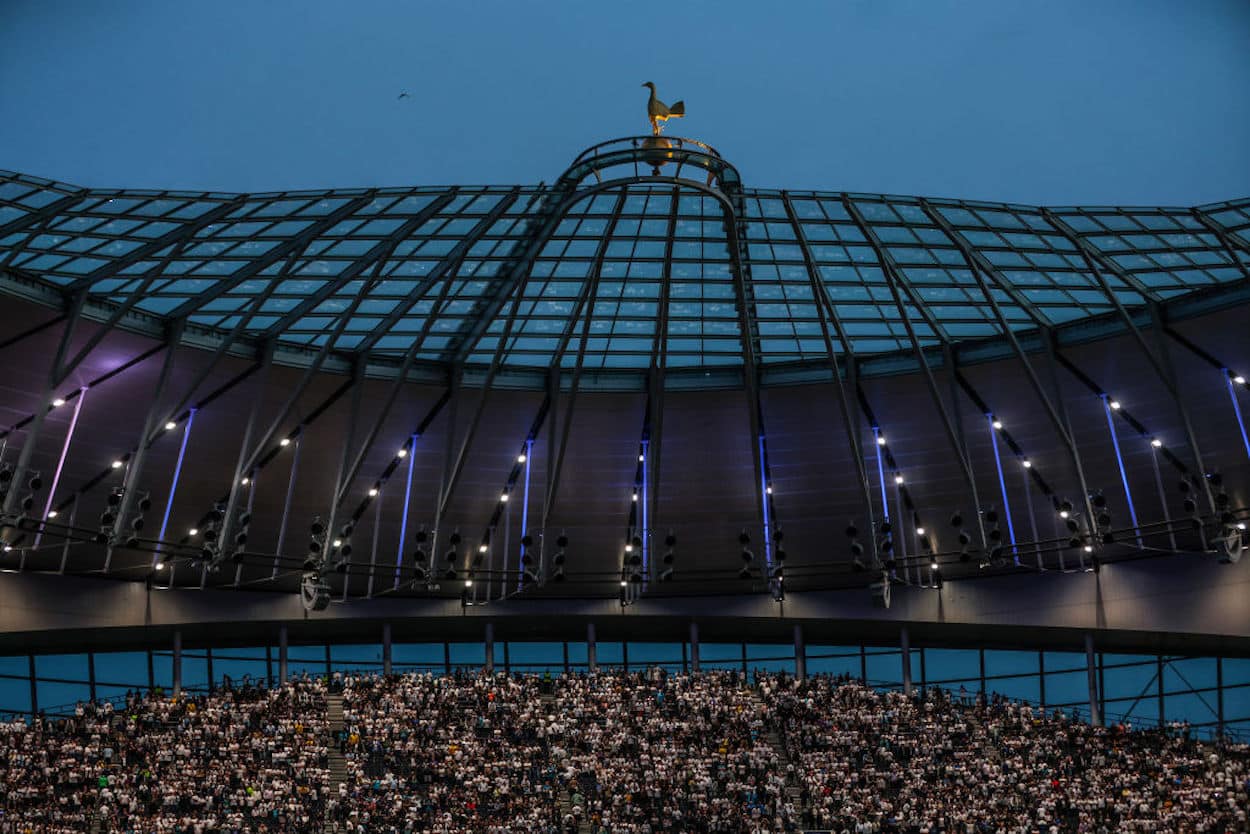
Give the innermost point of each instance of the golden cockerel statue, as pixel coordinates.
(659, 112)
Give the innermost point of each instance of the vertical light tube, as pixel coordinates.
(251, 502)
(373, 546)
(646, 529)
(1002, 486)
(525, 512)
(1119, 460)
(885, 504)
(73, 513)
(173, 490)
(1163, 498)
(286, 506)
(768, 539)
(403, 521)
(1028, 502)
(56, 478)
(1241, 423)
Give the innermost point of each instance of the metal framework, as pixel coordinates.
(639, 270)
(733, 272)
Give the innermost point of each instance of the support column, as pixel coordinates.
(904, 642)
(489, 643)
(1091, 676)
(800, 654)
(386, 646)
(282, 654)
(177, 665)
(591, 664)
(694, 647)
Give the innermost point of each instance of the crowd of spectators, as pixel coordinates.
(245, 759)
(610, 753)
(445, 754)
(881, 761)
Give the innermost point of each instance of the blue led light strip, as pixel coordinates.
(885, 502)
(646, 531)
(173, 487)
(1232, 393)
(1002, 486)
(525, 513)
(403, 522)
(768, 541)
(1119, 461)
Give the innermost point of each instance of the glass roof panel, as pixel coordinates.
(631, 275)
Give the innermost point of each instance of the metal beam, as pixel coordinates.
(292, 246)
(377, 256)
(827, 314)
(178, 238)
(980, 267)
(48, 212)
(242, 467)
(444, 271)
(894, 281)
(1225, 239)
(1161, 364)
(585, 302)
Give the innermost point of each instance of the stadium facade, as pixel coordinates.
(644, 415)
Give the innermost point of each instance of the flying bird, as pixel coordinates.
(404, 95)
(659, 112)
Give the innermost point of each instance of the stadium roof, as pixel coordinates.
(646, 267)
(203, 322)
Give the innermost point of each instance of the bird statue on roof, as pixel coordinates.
(659, 112)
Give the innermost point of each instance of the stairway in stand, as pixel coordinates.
(564, 796)
(337, 764)
(793, 791)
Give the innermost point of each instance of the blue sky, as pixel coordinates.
(1059, 102)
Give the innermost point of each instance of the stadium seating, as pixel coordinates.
(612, 753)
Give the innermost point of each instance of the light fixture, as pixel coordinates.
(468, 583)
(481, 548)
(898, 479)
(998, 424)
(1063, 513)
(373, 492)
(53, 514)
(1089, 548)
(160, 566)
(1115, 405)
(503, 497)
(171, 425)
(629, 548)
(402, 453)
(520, 458)
(117, 464)
(635, 498)
(193, 531)
(1026, 463)
(286, 441)
(1241, 525)
(8, 548)
(245, 481)
(338, 542)
(624, 583)
(919, 531)
(769, 489)
(881, 440)
(58, 402)
(641, 458)
(933, 566)
(1156, 442)
(1239, 379)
